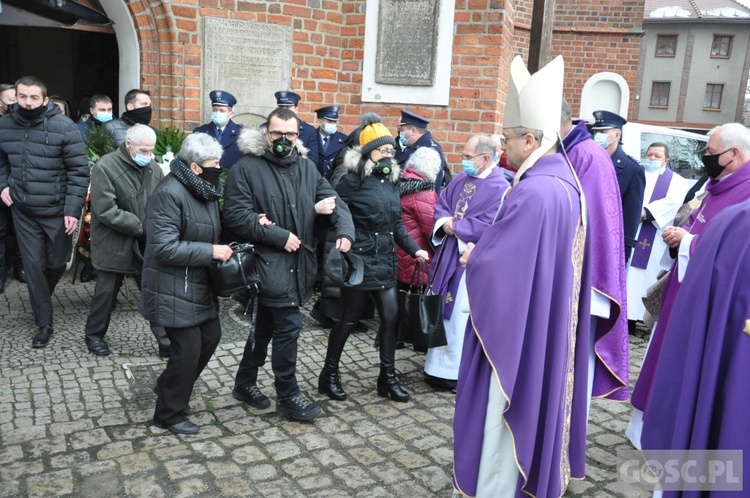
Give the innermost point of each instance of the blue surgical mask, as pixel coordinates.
(496, 159)
(141, 160)
(469, 167)
(402, 139)
(103, 117)
(329, 128)
(602, 139)
(651, 164)
(219, 118)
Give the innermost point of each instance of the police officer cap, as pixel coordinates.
(331, 112)
(220, 97)
(287, 98)
(606, 120)
(409, 118)
(344, 268)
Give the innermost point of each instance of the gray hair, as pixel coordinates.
(538, 134)
(138, 133)
(427, 161)
(485, 144)
(199, 148)
(733, 135)
(566, 116)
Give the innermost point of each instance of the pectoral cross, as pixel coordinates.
(747, 326)
(644, 244)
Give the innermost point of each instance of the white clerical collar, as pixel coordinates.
(484, 174)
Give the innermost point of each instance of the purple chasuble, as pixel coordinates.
(598, 179)
(720, 195)
(530, 324)
(472, 203)
(642, 250)
(700, 399)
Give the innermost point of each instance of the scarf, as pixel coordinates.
(196, 186)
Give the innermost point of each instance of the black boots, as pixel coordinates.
(330, 381)
(388, 386)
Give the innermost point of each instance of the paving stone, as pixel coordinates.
(248, 454)
(11, 454)
(115, 450)
(55, 483)
(135, 463)
(184, 468)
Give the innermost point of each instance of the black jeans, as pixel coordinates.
(190, 350)
(282, 325)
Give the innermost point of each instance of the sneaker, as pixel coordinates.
(42, 336)
(298, 408)
(252, 396)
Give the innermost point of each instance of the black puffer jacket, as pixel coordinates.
(44, 163)
(181, 230)
(286, 190)
(375, 205)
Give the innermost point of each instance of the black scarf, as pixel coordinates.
(409, 186)
(196, 186)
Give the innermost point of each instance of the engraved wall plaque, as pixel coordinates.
(251, 60)
(407, 42)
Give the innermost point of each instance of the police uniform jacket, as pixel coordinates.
(326, 156)
(632, 181)
(228, 141)
(426, 141)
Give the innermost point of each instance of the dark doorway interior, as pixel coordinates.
(72, 63)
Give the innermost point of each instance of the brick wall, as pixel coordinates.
(329, 48)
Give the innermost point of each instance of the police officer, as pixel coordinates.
(330, 140)
(222, 128)
(413, 134)
(307, 134)
(630, 175)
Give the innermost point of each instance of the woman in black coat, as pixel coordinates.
(370, 192)
(183, 228)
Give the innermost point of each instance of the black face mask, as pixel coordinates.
(211, 175)
(281, 147)
(30, 114)
(711, 164)
(384, 166)
(142, 115)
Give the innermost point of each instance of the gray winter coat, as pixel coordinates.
(286, 190)
(44, 163)
(119, 191)
(181, 230)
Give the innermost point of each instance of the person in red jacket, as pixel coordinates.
(418, 198)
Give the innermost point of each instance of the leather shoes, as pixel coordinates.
(19, 274)
(42, 336)
(98, 347)
(252, 396)
(184, 427)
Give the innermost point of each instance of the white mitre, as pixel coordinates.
(534, 102)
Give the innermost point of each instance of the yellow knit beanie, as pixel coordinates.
(373, 134)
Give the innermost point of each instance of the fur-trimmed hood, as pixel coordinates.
(354, 155)
(253, 141)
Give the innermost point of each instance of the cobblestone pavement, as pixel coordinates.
(74, 424)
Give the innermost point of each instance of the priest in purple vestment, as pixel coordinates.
(609, 321)
(467, 206)
(699, 398)
(520, 419)
(727, 163)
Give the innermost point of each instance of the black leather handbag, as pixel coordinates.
(421, 315)
(235, 274)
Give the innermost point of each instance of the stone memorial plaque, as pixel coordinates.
(251, 60)
(407, 42)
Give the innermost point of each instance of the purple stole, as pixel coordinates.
(642, 250)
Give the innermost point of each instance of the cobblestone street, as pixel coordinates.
(74, 424)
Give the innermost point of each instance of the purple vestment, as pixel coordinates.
(700, 399)
(720, 195)
(604, 206)
(472, 203)
(530, 324)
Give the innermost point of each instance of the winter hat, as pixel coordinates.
(373, 134)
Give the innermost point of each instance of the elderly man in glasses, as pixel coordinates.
(273, 181)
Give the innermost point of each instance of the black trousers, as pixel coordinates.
(9, 253)
(105, 296)
(45, 248)
(282, 325)
(189, 353)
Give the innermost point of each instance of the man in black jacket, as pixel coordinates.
(44, 177)
(274, 180)
(137, 111)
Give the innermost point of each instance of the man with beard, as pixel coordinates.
(273, 180)
(137, 111)
(44, 176)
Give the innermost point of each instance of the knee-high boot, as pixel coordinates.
(387, 381)
(329, 381)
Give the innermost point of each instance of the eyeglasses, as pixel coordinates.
(469, 158)
(290, 135)
(386, 152)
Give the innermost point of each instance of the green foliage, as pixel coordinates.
(97, 143)
(223, 183)
(168, 139)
